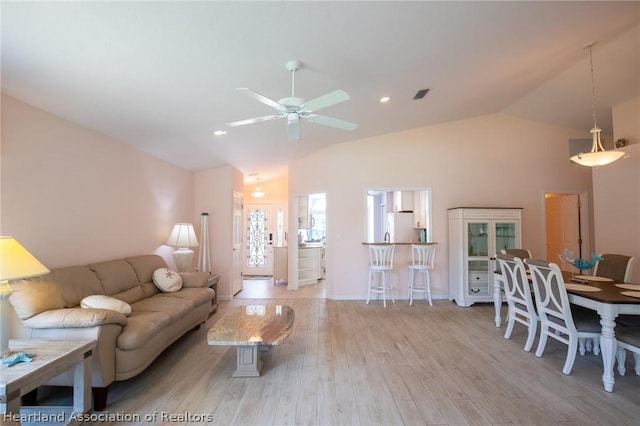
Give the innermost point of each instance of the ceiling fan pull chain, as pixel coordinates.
(293, 82)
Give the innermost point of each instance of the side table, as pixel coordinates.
(51, 358)
(213, 284)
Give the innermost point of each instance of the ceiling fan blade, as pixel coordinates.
(326, 100)
(333, 122)
(293, 130)
(253, 120)
(260, 98)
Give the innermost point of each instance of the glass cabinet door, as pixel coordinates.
(478, 239)
(505, 235)
(478, 258)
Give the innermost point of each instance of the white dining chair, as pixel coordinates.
(380, 269)
(517, 292)
(618, 267)
(627, 339)
(556, 317)
(422, 260)
(517, 252)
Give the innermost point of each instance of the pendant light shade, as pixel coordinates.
(257, 192)
(597, 156)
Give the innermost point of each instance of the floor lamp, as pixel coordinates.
(15, 262)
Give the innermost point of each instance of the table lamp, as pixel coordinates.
(183, 236)
(15, 262)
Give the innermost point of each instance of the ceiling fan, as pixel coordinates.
(294, 108)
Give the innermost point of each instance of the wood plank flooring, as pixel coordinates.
(348, 363)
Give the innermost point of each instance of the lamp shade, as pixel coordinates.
(16, 261)
(182, 235)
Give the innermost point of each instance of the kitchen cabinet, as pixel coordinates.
(475, 236)
(280, 265)
(403, 201)
(309, 265)
(420, 209)
(303, 212)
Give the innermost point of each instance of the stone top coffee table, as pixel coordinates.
(250, 328)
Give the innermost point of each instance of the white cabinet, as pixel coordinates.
(403, 201)
(303, 212)
(475, 236)
(420, 208)
(309, 265)
(280, 264)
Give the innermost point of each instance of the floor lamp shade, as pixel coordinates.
(15, 262)
(183, 236)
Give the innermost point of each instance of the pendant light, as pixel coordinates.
(597, 156)
(257, 192)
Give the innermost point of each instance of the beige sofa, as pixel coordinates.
(48, 307)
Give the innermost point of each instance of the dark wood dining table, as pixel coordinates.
(609, 301)
(604, 297)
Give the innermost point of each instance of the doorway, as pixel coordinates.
(567, 226)
(264, 230)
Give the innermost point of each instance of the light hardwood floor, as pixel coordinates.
(348, 363)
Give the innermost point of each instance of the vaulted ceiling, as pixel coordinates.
(162, 76)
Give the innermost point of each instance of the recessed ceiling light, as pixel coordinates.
(220, 132)
(384, 99)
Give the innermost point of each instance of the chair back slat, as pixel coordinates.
(551, 296)
(516, 284)
(381, 256)
(423, 256)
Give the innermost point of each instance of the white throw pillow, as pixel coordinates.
(105, 302)
(167, 280)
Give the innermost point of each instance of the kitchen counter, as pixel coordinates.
(401, 243)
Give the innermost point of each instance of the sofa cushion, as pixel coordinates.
(196, 295)
(175, 307)
(75, 318)
(30, 297)
(144, 266)
(167, 280)
(99, 301)
(116, 276)
(141, 327)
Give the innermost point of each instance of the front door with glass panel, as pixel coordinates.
(264, 229)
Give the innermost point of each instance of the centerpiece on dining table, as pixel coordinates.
(568, 256)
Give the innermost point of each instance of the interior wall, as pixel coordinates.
(72, 196)
(214, 194)
(626, 121)
(491, 161)
(616, 191)
(276, 189)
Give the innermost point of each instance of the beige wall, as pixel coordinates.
(496, 160)
(626, 121)
(616, 191)
(214, 194)
(276, 190)
(72, 196)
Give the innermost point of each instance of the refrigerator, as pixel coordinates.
(400, 227)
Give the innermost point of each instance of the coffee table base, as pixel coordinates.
(249, 363)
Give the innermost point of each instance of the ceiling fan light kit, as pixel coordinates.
(294, 108)
(597, 156)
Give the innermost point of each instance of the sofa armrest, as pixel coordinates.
(75, 318)
(196, 279)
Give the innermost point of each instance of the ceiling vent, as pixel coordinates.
(420, 94)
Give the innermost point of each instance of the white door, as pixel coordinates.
(236, 267)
